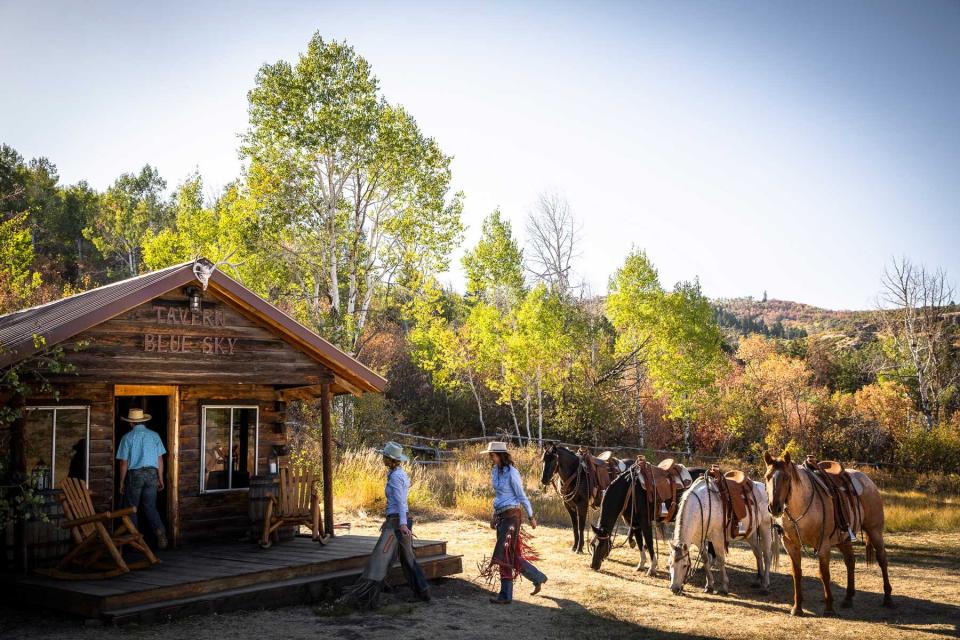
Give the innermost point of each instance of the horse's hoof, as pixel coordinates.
(829, 613)
(764, 591)
(796, 612)
(888, 603)
(846, 603)
(652, 573)
(708, 589)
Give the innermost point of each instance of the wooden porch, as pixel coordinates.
(206, 578)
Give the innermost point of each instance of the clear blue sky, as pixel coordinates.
(787, 147)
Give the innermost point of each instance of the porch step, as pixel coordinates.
(279, 593)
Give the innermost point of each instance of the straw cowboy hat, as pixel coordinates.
(393, 451)
(136, 415)
(496, 447)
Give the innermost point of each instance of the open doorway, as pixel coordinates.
(158, 409)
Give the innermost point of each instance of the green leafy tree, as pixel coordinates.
(494, 267)
(361, 192)
(130, 209)
(18, 280)
(674, 335)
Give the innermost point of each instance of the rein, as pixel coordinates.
(567, 494)
(814, 492)
(612, 536)
(692, 569)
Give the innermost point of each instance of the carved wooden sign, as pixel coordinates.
(171, 316)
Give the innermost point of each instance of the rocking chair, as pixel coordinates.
(297, 504)
(94, 546)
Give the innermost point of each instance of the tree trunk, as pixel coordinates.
(516, 423)
(526, 415)
(687, 436)
(476, 395)
(539, 411)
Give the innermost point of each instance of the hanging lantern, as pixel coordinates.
(41, 476)
(274, 461)
(193, 295)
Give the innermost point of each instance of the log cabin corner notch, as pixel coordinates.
(215, 379)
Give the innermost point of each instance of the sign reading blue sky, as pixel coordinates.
(792, 148)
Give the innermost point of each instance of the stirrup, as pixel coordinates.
(663, 509)
(851, 534)
(741, 528)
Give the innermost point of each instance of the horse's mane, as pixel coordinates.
(678, 525)
(620, 479)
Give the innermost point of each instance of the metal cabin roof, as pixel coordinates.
(62, 319)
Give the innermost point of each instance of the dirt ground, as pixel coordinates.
(616, 602)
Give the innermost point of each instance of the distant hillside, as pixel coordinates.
(786, 319)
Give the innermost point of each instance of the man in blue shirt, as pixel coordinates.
(141, 471)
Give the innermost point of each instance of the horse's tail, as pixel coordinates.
(776, 533)
(871, 552)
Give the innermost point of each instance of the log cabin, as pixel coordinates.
(215, 366)
(211, 362)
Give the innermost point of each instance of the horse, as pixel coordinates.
(625, 496)
(806, 508)
(700, 523)
(574, 487)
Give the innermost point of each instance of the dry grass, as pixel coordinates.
(916, 511)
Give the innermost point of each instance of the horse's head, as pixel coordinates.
(551, 460)
(779, 476)
(679, 564)
(600, 544)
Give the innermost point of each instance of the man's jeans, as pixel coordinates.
(141, 492)
(408, 559)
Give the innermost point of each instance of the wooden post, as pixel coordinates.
(18, 451)
(327, 444)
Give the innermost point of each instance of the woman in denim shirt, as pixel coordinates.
(511, 555)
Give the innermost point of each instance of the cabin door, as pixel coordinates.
(163, 420)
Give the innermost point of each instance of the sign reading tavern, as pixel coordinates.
(179, 316)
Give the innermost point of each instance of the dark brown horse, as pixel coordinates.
(806, 507)
(573, 488)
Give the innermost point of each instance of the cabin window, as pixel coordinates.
(57, 444)
(230, 441)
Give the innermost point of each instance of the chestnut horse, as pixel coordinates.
(806, 508)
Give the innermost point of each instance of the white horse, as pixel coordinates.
(700, 523)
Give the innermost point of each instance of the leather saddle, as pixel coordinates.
(662, 483)
(736, 496)
(601, 471)
(837, 481)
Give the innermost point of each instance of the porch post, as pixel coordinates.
(327, 445)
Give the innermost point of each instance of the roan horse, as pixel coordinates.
(573, 489)
(700, 523)
(806, 507)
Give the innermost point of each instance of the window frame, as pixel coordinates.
(203, 446)
(53, 438)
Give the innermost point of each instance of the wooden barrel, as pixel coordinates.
(262, 488)
(46, 541)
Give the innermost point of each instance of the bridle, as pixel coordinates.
(704, 529)
(564, 490)
(628, 500)
(796, 521)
